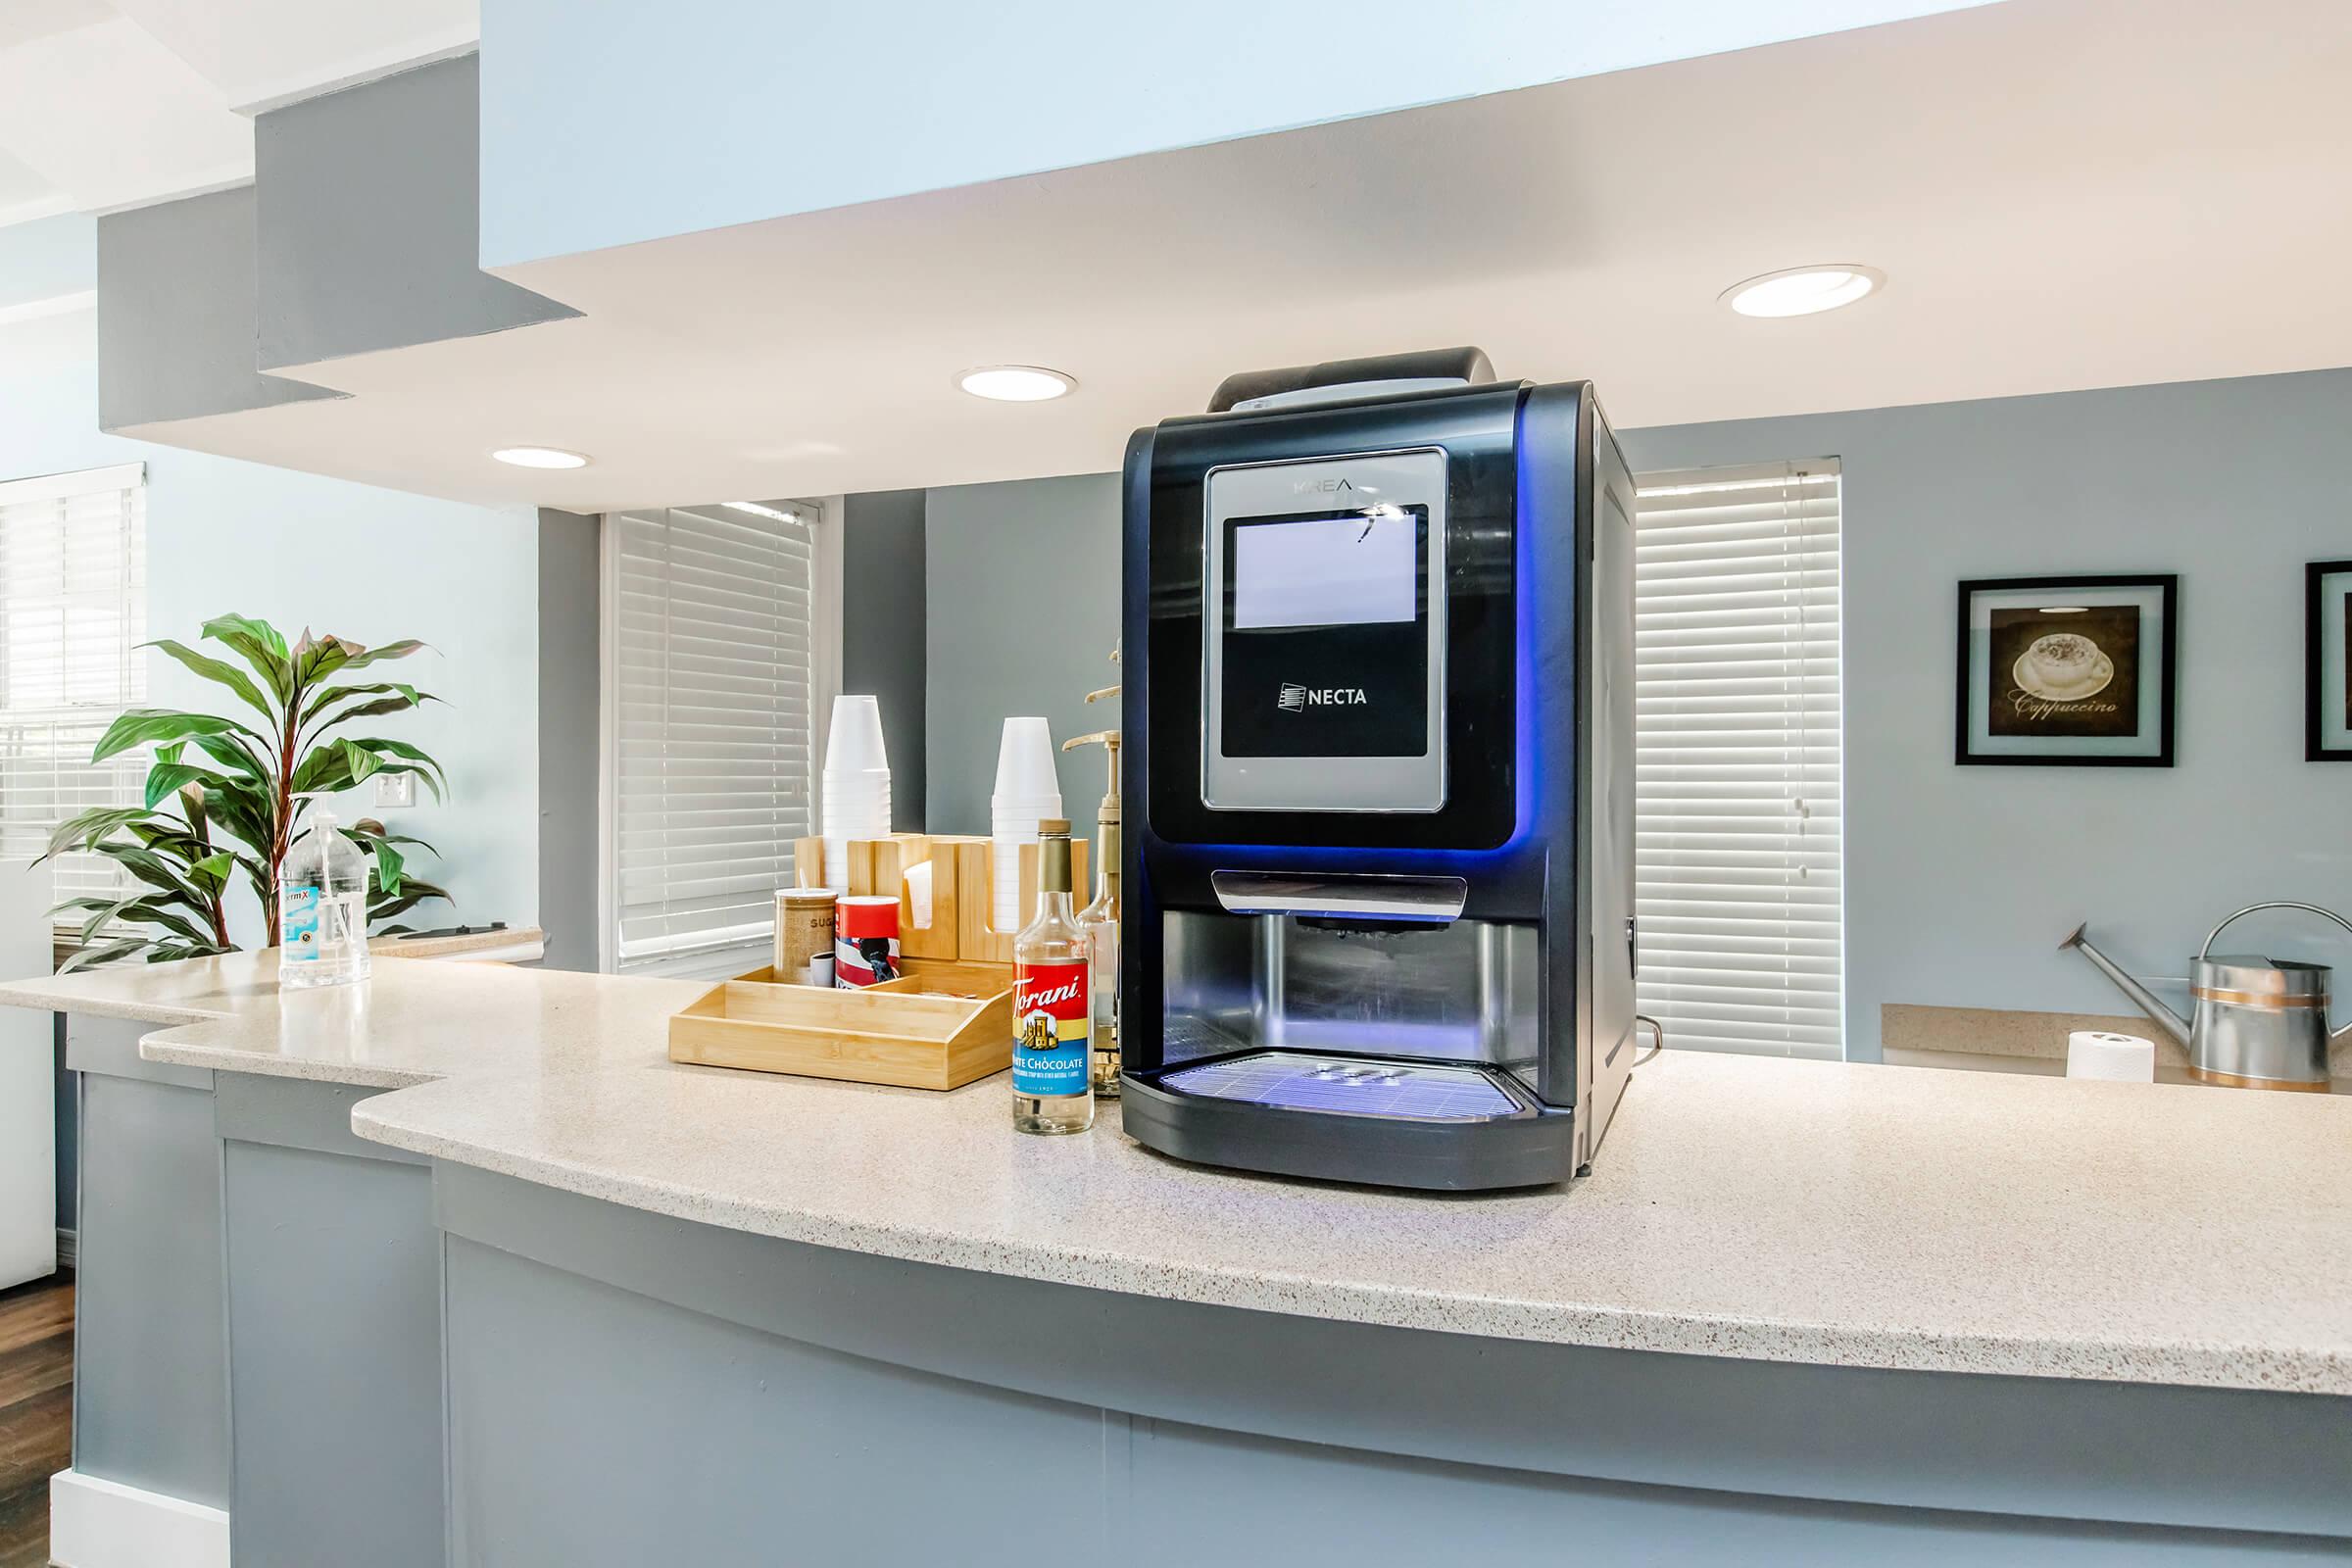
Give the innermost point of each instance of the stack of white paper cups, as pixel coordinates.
(857, 784)
(1028, 791)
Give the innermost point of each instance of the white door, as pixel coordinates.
(27, 1084)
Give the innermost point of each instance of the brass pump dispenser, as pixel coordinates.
(1100, 919)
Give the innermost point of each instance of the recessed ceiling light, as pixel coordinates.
(1015, 384)
(540, 458)
(1803, 290)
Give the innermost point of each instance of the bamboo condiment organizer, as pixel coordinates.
(945, 1022)
(895, 1033)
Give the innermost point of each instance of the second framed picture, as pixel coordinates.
(2067, 672)
(2328, 662)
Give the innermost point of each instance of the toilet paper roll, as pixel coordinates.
(2124, 1059)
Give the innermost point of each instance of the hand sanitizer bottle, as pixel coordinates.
(322, 908)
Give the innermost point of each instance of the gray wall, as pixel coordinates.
(884, 610)
(69, 1134)
(1959, 881)
(569, 753)
(1023, 623)
(368, 220)
(175, 340)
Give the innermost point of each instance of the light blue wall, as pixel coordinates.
(301, 550)
(608, 125)
(45, 259)
(1959, 881)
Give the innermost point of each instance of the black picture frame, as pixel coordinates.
(2168, 587)
(2316, 747)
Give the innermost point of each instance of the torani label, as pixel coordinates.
(1052, 1021)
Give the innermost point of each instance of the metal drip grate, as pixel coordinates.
(1347, 1086)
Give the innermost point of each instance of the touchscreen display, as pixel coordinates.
(1325, 645)
(1357, 569)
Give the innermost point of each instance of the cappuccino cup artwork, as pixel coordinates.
(2066, 670)
(2062, 672)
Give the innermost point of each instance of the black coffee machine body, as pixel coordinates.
(1378, 878)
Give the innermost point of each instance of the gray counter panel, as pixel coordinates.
(1573, 1437)
(335, 1320)
(150, 1355)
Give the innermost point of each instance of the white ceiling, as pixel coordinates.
(2063, 193)
(107, 104)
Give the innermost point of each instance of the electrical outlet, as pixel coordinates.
(396, 789)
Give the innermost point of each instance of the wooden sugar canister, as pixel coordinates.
(805, 936)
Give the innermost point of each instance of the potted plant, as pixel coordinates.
(224, 794)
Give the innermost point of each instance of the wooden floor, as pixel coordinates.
(36, 1411)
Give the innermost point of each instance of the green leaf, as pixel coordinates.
(166, 779)
(149, 867)
(413, 891)
(399, 650)
(431, 769)
(232, 754)
(327, 767)
(335, 693)
(387, 867)
(245, 813)
(369, 831)
(143, 726)
(262, 645)
(211, 875)
(382, 705)
(85, 828)
(361, 762)
(138, 910)
(91, 958)
(220, 670)
(316, 659)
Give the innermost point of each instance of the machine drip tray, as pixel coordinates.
(1348, 1086)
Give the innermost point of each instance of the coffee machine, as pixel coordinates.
(1379, 918)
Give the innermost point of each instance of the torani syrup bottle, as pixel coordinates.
(1053, 1015)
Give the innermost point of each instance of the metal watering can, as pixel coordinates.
(2257, 1024)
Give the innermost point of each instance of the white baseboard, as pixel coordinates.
(105, 1524)
(69, 1247)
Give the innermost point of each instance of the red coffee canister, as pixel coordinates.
(865, 941)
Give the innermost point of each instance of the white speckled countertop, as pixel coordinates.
(1782, 1210)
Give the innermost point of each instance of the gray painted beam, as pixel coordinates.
(175, 314)
(569, 749)
(884, 616)
(368, 221)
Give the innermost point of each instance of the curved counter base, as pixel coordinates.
(625, 1388)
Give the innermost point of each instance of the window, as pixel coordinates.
(709, 703)
(72, 610)
(1737, 757)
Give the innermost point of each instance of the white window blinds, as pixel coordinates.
(72, 610)
(710, 725)
(1737, 757)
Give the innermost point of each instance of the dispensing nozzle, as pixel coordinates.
(1109, 739)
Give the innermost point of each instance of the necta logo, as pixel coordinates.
(1331, 485)
(1297, 698)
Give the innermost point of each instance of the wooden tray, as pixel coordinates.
(885, 1034)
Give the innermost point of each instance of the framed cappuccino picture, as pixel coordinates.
(2067, 672)
(2328, 662)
